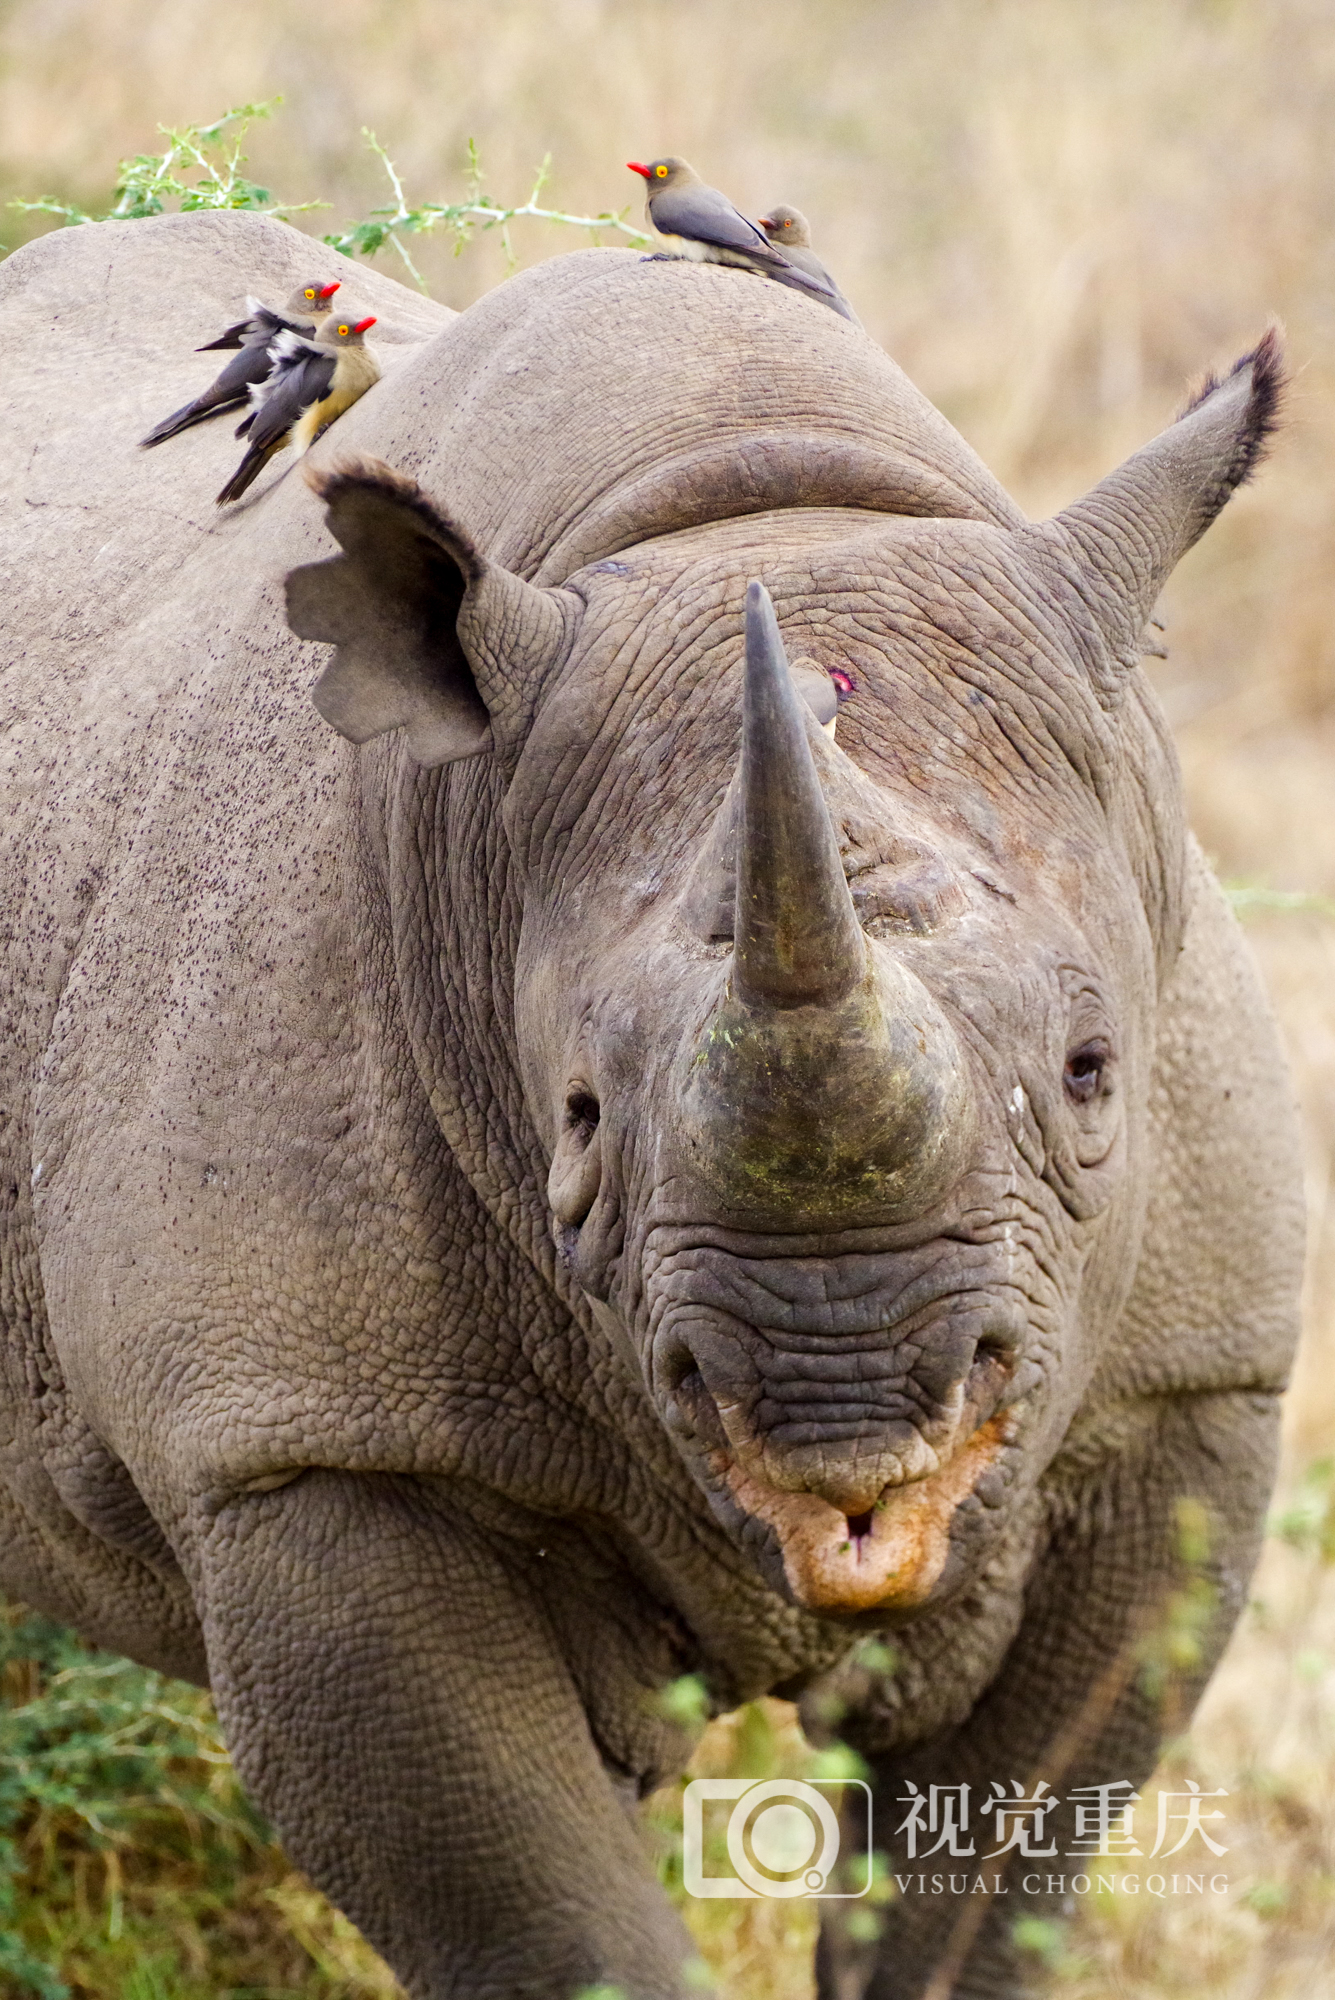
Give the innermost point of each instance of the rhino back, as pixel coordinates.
(599, 400)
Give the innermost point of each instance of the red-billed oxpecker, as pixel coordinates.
(696, 222)
(788, 230)
(304, 312)
(312, 383)
(824, 690)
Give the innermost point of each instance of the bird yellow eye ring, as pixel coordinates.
(343, 329)
(310, 291)
(661, 172)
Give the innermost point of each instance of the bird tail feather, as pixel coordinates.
(249, 469)
(179, 420)
(801, 281)
(190, 413)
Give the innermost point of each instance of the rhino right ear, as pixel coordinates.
(1119, 544)
(431, 635)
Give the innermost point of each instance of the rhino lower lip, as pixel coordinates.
(893, 1555)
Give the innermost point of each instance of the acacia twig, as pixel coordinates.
(476, 211)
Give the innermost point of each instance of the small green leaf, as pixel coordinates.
(684, 1701)
(840, 1761)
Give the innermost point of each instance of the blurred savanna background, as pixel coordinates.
(1054, 214)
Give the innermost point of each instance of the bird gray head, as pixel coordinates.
(343, 331)
(311, 298)
(787, 228)
(668, 172)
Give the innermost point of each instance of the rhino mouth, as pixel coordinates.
(847, 1459)
(893, 1555)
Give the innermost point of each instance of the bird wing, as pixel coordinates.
(703, 215)
(302, 374)
(808, 261)
(261, 325)
(231, 337)
(266, 325)
(291, 343)
(250, 366)
(798, 279)
(236, 336)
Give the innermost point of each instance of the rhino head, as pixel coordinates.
(837, 1056)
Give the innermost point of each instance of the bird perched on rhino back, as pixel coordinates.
(787, 229)
(303, 312)
(696, 222)
(312, 383)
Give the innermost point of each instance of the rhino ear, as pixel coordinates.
(1121, 541)
(431, 636)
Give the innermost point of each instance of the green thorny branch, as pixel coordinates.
(146, 183)
(1246, 896)
(476, 210)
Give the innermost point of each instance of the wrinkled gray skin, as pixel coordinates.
(303, 1042)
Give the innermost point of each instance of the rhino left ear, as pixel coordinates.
(1119, 543)
(431, 635)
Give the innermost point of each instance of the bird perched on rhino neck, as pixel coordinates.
(312, 383)
(303, 312)
(697, 222)
(787, 229)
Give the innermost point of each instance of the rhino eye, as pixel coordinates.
(1084, 1071)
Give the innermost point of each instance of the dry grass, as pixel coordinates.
(1052, 214)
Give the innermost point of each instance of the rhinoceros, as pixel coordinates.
(570, 1178)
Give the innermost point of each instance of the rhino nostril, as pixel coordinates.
(998, 1344)
(582, 1114)
(695, 1409)
(577, 1162)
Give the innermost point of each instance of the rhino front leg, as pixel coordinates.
(1114, 1559)
(395, 1702)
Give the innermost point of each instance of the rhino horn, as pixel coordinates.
(826, 1080)
(797, 939)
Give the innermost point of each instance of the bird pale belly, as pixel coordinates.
(354, 375)
(705, 253)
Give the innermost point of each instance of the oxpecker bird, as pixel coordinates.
(697, 222)
(312, 383)
(823, 689)
(303, 313)
(788, 230)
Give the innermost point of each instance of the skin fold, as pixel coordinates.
(512, 1135)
